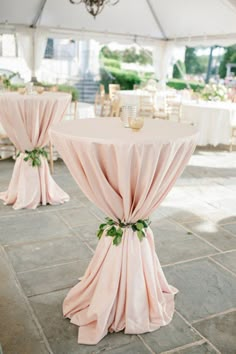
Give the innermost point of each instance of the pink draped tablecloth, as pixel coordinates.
(26, 120)
(126, 174)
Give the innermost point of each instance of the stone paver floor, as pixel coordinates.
(43, 252)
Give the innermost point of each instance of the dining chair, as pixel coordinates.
(102, 90)
(147, 108)
(113, 90)
(173, 108)
(106, 106)
(136, 87)
(102, 105)
(115, 107)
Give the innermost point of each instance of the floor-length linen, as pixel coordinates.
(214, 120)
(26, 120)
(126, 174)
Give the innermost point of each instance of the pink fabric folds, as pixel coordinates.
(26, 120)
(127, 175)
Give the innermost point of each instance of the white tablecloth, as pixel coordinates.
(213, 119)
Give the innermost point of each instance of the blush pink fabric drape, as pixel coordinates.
(126, 174)
(26, 120)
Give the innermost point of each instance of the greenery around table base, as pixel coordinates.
(115, 229)
(34, 156)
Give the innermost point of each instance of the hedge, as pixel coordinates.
(111, 63)
(126, 79)
(181, 85)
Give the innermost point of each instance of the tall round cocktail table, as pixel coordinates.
(26, 120)
(126, 174)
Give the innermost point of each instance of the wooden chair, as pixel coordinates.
(173, 108)
(103, 105)
(233, 136)
(102, 90)
(115, 107)
(106, 106)
(113, 90)
(98, 103)
(147, 108)
(136, 87)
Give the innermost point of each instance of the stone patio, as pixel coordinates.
(43, 252)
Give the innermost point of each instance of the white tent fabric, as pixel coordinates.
(163, 24)
(211, 21)
(32, 46)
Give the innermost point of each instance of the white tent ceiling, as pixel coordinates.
(184, 21)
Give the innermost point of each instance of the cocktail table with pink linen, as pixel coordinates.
(126, 174)
(26, 120)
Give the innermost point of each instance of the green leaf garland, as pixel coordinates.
(34, 156)
(115, 229)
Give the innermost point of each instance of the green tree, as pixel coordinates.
(110, 54)
(145, 57)
(190, 61)
(228, 57)
(130, 55)
(179, 70)
(195, 64)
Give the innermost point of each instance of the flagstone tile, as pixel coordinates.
(204, 348)
(42, 254)
(213, 233)
(175, 244)
(78, 216)
(62, 335)
(228, 260)
(31, 226)
(177, 333)
(220, 331)
(52, 278)
(230, 227)
(18, 331)
(204, 288)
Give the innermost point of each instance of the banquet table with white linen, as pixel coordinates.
(26, 120)
(127, 174)
(214, 120)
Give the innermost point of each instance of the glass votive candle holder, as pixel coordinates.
(128, 112)
(136, 123)
(40, 89)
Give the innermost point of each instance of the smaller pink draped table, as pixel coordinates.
(126, 174)
(26, 120)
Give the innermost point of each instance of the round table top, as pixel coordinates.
(110, 130)
(15, 96)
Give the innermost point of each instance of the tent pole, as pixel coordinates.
(39, 13)
(154, 15)
(209, 65)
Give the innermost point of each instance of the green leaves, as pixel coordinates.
(34, 156)
(115, 229)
